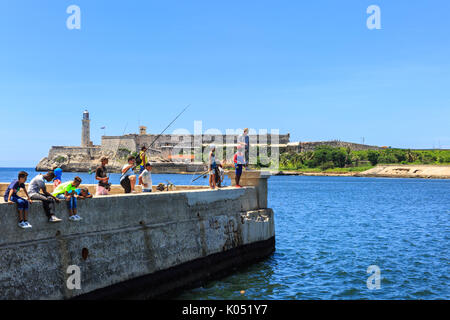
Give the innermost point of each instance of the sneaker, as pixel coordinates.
(54, 219)
(78, 217)
(73, 218)
(22, 225)
(27, 224)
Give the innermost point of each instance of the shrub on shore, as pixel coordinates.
(326, 158)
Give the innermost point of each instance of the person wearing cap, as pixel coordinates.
(58, 177)
(103, 186)
(212, 167)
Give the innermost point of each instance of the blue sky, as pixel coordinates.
(310, 68)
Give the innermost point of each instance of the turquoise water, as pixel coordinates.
(329, 230)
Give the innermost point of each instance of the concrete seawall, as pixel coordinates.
(135, 246)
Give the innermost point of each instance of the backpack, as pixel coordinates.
(138, 159)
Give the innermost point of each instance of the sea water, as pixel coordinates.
(329, 230)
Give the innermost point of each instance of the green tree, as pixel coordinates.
(339, 158)
(372, 156)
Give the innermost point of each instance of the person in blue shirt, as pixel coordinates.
(83, 193)
(11, 197)
(58, 177)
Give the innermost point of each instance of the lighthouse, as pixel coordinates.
(86, 130)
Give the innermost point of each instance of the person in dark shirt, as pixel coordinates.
(246, 147)
(11, 197)
(103, 187)
(244, 142)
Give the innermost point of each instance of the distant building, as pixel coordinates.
(86, 130)
(166, 143)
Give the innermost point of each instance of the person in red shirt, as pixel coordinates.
(239, 161)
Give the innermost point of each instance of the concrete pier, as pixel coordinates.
(137, 245)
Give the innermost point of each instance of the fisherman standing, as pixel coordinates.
(239, 161)
(145, 178)
(103, 180)
(142, 159)
(244, 141)
(212, 167)
(128, 178)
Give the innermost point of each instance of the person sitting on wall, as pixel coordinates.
(128, 178)
(239, 161)
(66, 191)
(38, 191)
(11, 197)
(145, 179)
(104, 186)
(83, 193)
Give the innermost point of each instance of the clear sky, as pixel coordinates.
(310, 68)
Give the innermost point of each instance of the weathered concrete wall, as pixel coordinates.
(127, 237)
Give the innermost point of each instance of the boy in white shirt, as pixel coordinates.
(145, 179)
(128, 178)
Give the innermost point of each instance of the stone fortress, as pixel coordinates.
(86, 157)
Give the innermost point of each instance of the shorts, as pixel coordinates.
(102, 191)
(212, 169)
(126, 184)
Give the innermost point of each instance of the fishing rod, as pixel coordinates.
(202, 175)
(118, 147)
(168, 126)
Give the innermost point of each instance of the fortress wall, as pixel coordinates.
(112, 144)
(171, 140)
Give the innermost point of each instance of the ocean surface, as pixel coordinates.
(329, 230)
